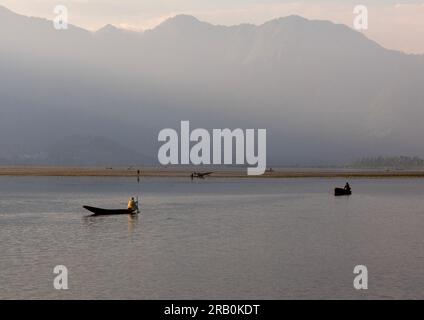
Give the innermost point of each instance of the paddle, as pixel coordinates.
(138, 209)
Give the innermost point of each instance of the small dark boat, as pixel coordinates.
(200, 175)
(107, 212)
(342, 192)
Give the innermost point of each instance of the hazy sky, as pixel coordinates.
(395, 24)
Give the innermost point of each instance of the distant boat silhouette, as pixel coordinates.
(200, 175)
(342, 192)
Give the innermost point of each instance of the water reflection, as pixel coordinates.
(91, 220)
(132, 222)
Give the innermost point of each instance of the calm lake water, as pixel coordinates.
(212, 239)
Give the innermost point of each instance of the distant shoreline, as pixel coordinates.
(49, 171)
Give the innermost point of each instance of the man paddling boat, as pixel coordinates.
(132, 205)
(132, 208)
(347, 187)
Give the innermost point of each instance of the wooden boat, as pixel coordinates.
(107, 212)
(342, 192)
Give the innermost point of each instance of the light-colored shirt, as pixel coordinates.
(131, 204)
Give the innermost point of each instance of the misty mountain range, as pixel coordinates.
(325, 93)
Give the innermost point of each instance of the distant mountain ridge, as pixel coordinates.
(325, 93)
(82, 151)
(400, 162)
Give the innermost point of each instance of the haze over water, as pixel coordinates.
(212, 239)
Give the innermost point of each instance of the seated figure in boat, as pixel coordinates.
(132, 204)
(347, 187)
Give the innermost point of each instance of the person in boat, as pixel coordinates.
(347, 187)
(132, 204)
